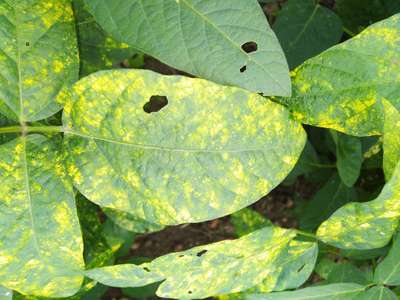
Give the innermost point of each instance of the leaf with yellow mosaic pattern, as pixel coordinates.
(343, 88)
(220, 268)
(228, 42)
(209, 152)
(40, 240)
(391, 139)
(366, 225)
(38, 56)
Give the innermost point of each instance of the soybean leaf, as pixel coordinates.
(5, 122)
(248, 220)
(118, 238)
(343, 87)
(229, 42)
(391, 139)
(219, 268)
(209, 152)
(377, 293)
(325, 202)
(349, 157)
(130, 222)
(98, 50)
(365, 225)
(5, 294)
(38, 56)
(305, 29)
(388, 270)
(296, 265)
(347, 272)
(358, 14)
(41, 245)
(337, 291)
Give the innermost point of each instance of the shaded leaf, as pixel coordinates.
(349, 157)
(38, 56)
(41, 245)
(248, 220)
(358, 14)
(347, 272)
(209, 152)
(98, 50)
(130, 222)
(365, 225)
(325, 202)
(391, 139)
(343, 87)
(219, 268)
(338, 291)
(388, 271)
(229, 42)
(305, 29)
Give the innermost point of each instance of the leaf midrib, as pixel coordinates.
(161, 148)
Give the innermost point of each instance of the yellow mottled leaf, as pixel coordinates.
(209, 152)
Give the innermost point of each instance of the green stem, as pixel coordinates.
(323, 166)
(349, 32)
(307, 234)
(30, 129)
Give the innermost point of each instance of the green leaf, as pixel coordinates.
(98, 50)
(219, 268)
(338, 291)
(343, 87)
(38, 56)
(229, 42)
(358, 14)
(388, 270)
(297, 264)
(305, 29)
(248, 220)
(209, 152)
(365, 225)
(391, 139)
(377, 293)
(41, 246)
(5, 294)
(130, 222)
(347, 272)
(325, 202)
(349, 157)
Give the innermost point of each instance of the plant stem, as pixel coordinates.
(307, 234)
(30, 129)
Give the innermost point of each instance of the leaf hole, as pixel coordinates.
(27, 44)
(242, 69)
(189, 292)
(301, 268)
(201, 253)
(250, 47)
(181, 255)
(146, 269)
(155, 104)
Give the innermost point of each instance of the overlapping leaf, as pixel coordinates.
(305, 29)
(40, 241)
(377, 293)
(343, 88)
(38, 56)
(229, 42)
(219, 268)
(365, 225)
(98, 50)
(391, 140)
(336, 291)
(388, 270)
(211, 151)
